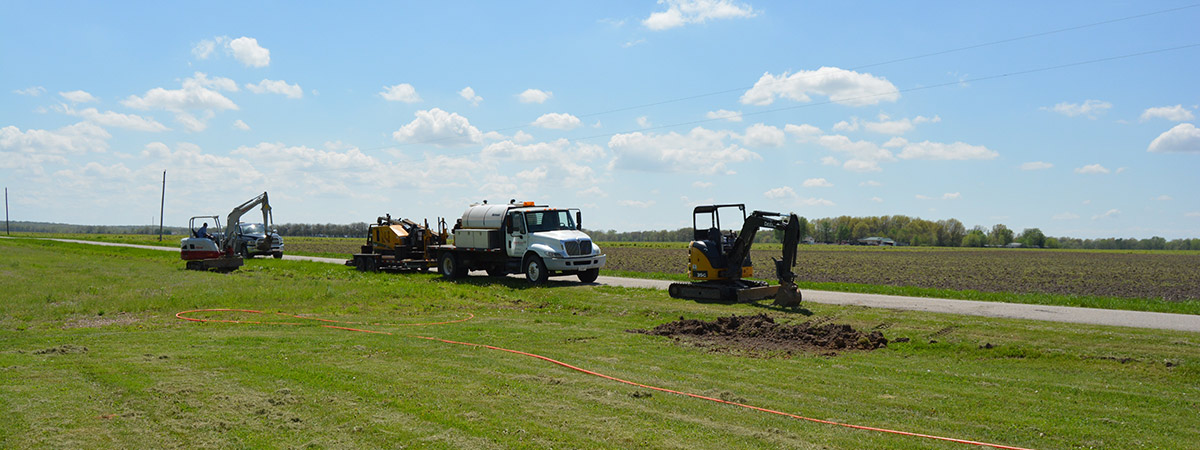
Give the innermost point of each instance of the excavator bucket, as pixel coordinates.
(788, 295)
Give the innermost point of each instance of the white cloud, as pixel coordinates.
(32, 91)
(896, 127)
(761, 135)
(593, 191)
(200, 79)
(1175, 113)
(922, 197)
(644, 122)
(249, 53)
(780, 192)
(29, 149)
(1090, 108)
(1163, 198)
(532, 175)
(700, 151)
(1112, 213)
(846, 126)
(841, 86)
(557, 121)
(702, 184)
(802, 132)
(1091, 168)
(402, 92)
(633, 43)
(276, 87)
(864, 156)
(115, 119)
(1192, 214)
(534, 96)
(951, 196)
(636, 203)
(682, 12)
(522, 137)
(204, 48)
(732, 116)
(830, 161)
(877, 199)
(817, 182)
(895, 142)
(958, 151)
(1065, 216)
(569, 163)
(1182, 138)
(440, 128)
(78, 97)
(195, 95)
(1036, 165)
(469, 95)
(239, 124)
(870, 183)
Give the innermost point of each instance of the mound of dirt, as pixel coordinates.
(760, 335)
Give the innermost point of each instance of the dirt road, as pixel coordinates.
(1138, 319)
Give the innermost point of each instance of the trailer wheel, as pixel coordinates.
(590, 275)
(278, 255)
(449, 268)
(535, 270)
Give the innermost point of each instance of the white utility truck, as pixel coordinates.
(536, 240)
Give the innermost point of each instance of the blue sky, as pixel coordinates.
(1075, 117)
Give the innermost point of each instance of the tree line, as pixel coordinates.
(914, 231)
(903, 230)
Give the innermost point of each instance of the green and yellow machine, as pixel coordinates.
(399, 245)
(719, 261)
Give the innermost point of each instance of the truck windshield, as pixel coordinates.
(549, 221)
(252, 228)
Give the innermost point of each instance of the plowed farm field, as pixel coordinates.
(1170, 276)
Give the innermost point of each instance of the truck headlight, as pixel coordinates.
(555, 255)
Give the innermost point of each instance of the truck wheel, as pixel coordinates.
(589, 276)
(535, 270)
(448, 266)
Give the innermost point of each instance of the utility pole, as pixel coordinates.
(162, 204)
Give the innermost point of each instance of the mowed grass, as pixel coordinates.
(93, 357)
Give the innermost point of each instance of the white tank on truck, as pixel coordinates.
(536, 240)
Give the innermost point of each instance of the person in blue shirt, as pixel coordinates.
(203, 231)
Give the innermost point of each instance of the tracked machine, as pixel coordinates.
(719, 261)
(399, 245)
(219, 253)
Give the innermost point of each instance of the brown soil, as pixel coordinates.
(759, 335)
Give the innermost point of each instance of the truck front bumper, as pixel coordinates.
(576, 263)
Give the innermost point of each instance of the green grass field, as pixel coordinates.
(93, 357)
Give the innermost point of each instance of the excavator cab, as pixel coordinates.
(719, 261)
(709, 251)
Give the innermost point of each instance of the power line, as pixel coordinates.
(892, 61)
(868, 96)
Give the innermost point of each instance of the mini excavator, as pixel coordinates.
(719, 261)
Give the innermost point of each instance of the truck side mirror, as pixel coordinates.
(579, 220)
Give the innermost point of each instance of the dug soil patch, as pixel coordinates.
(759, 335)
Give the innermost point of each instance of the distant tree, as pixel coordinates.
(1000, 235)
(975, 238)
(860, 231)
(1052, 243)
(950, 232)
(1032, 237)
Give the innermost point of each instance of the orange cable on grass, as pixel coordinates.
(579, 369)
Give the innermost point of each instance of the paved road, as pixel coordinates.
(1138, 319)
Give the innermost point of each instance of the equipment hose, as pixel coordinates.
(328, 324)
